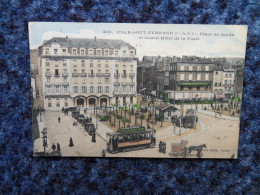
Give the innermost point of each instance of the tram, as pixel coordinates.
(128, 139)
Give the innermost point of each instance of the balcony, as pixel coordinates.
(48, 74)
(131, 75)
(99, 74)
(83, 74)
(131, 84)
(107, 75)
(116, 75)
(123, 93)
(116, 84)
(75, 74)
(56, 93)
(65, 74)
(196, 83)
(228, 85)
(91, 75)
(57, 75)
(124, 84)
(124, 75)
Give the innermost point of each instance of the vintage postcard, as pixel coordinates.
(136, 90)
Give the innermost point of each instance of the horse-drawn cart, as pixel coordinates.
(179, 149)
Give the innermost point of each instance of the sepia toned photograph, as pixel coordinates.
(136, 90)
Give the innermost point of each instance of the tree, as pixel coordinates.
(161, 117)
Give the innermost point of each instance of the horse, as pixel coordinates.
(198, 149)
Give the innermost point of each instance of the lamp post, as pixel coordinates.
(215, 99)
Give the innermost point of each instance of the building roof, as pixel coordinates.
(192, 62)
(218, 68)
(164, 106)
(82, 42)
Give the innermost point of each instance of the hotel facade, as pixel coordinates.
(87, 72)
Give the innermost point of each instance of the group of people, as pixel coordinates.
(162, 147)
(54, 147)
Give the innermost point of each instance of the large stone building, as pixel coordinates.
(87, 72)
(217, 86)
(190, 81)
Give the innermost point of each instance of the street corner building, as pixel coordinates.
(84, 72)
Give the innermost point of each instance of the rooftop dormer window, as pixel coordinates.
(47, 51)
(74, 51)
(82, 52)
(106, 52)
(55, 51)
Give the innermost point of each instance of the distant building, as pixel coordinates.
(191, 81)
(217, 86)
(167, 110)
(87, 72)
(228, 82)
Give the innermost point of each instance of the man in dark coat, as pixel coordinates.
(90, 119)
(71, 142)
(53, 147)
(59, 119)
(58, 147)
(160, 146)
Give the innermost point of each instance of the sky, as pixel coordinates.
(153, 39)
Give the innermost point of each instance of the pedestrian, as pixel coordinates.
(71, 142)
(233, 113)
(62, 110)
(103, 153)
(58, 147)
(59, 119)
(160, 146)
(53, 147)
(93, 137)
(164, 147)
(90, 119)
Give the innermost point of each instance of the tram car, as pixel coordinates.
(128, 139)
(189, 119)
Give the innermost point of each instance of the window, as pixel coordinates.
(107, 89)
(198, 88)
(107, 66)
(99, 89)
(169, 113)
(64, 64)
(84, 89)
(131, 66)
(190, 68)
(82, 63)
(182, 67)
(55, 51)
(226, 75)
(207, 68)
(131, 100)
(49, 104)
(216, 84)
(182, 76)
(124, 53)
(116, 65)
(74, 51)
(230, 75)
(66, 104)
(199, 68)
(124, 100)
(98, 52)
(199, 77)
(91, 64)
(216, 73)
(225, 88)
(47, 51)
(106, 52)
(124, 66)
(190, 76)
(56, 65)
(56, 72)
(131, 53)
(75, 89)
(181, 88)
(124, 73)
(75, 70)
(91, 89)
(220, 84)
(48, 64)
(225, 82)
(106, 80)
(57, 104)
(64, 50)
(207, 76)
(229, 89)
(82, 52)
(99, 65)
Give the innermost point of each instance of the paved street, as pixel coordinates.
(217, 134)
